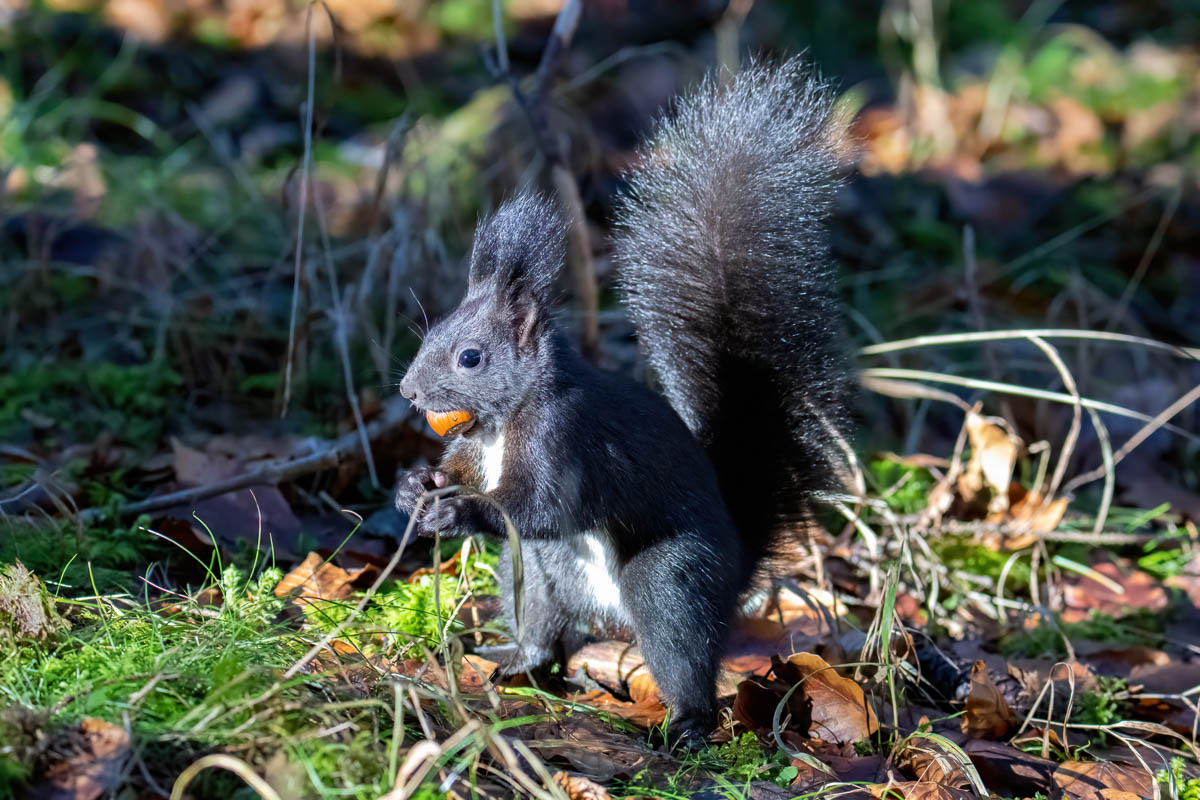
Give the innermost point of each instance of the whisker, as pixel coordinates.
(426, 316)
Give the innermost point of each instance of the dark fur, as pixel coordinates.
(723, 261)
(726, 271)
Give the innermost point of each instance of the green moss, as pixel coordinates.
(962, 553)
(1141, 629)
(1187, 788)
(81, 400)
(101, 558)
(903, 487)
(402, 618)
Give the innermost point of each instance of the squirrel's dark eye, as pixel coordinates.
(469, 358)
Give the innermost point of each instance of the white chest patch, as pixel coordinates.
(493, 462)
(597, 564)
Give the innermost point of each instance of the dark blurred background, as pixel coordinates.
(1014, 164)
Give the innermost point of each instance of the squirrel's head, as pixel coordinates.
(482, 358)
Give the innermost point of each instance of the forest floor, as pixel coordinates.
(205, 592)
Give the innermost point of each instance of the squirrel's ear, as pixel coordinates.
(519, 251)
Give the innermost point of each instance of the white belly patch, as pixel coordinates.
(493, 462)
(597, 563)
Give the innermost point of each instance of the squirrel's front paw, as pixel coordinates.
(442, 515)
(415, 483)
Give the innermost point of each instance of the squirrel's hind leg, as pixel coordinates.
(547, 621)
(680, 611)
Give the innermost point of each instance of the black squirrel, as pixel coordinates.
(654, 513)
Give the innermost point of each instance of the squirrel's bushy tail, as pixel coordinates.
(723, 260)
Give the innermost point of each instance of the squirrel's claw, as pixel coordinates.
(415, 483)
(441, 516)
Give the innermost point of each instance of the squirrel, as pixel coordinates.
(653, 511)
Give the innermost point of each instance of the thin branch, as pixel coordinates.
(1143, 433)
(333, 452)
(1144, 264)
(304, 176)
(579, 249)
(1010, 388)
(1045, 333)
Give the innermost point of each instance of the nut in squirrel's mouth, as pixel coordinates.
(450, 423)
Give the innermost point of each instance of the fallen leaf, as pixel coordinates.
(840, 710)
(317, 579)
(578, 787)
(588, 746)
(1020, 773)
(614, 664)
(987, 714)
(1097, 780)
(1045, 738)
(1083, 594)
(929, 761)
(993, 455)
(90, 761)
(1109, 660)
(918, 790)
(1033, 510)
(476, 671)
(1172, 679)
(644, 707)
(757, 698)
(1188, 581)
(448, 567)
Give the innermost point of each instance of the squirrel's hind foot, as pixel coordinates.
(512, 659)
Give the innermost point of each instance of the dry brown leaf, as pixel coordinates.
(1172, 679)
(578, 787)
(929, 762)
(146, 19)
(1032, 509)
(645, 706)
(92, 758)
(1004, 765)
(317, 579)
(1102, 656)
(583, 741)
(1045, 738)
(476, 672)
(840, 710)
(450, 566)
(993, 455)
(614, 664)
(1098, 780)
(1074, 144)
(1083, 594)
(918, 790)
(987, 714)
(644, 712)
(757, 698)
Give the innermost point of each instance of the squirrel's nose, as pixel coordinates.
(407, 391)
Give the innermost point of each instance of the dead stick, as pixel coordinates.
(346, 446)
(579, 249)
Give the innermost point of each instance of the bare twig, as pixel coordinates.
(579, 249)
(304, 176)
(872, 374)
(1025, 333)
(1147, 256)
(274, 472)
(1068, 445)
(341, 316)
(1159, 421)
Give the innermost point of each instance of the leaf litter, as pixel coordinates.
(976, 545)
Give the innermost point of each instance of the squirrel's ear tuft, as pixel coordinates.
(519, 250)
